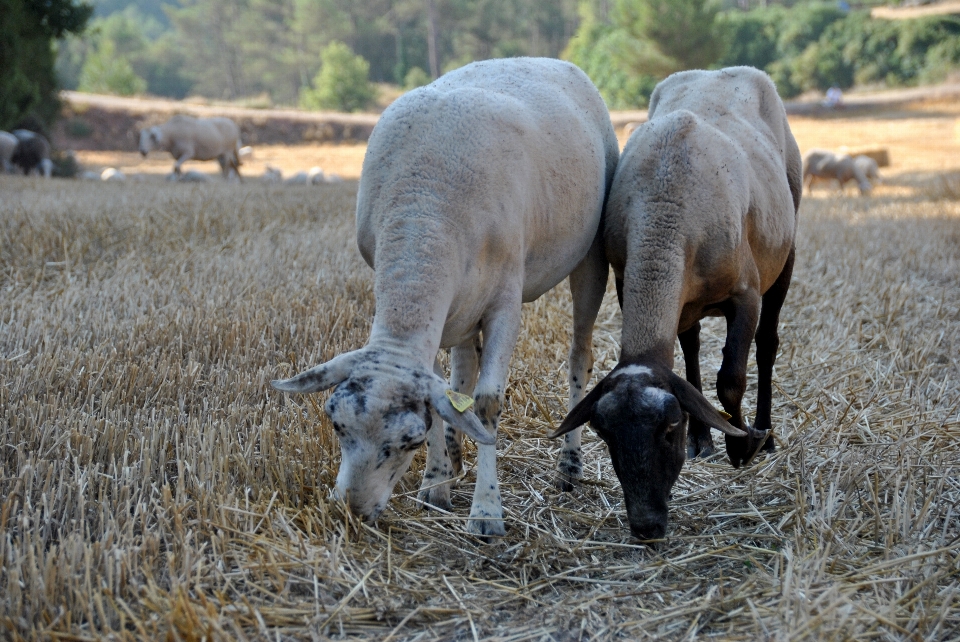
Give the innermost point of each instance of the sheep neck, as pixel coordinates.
(414, 285)
(653, 284)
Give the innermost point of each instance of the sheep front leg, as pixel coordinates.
(699, 441)
(768, 341)
(184, 157)
(444, 459)
(588, 282)
(741, 314)
(499, 338)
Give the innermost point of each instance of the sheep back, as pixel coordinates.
(501, 162)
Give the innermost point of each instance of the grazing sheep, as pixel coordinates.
(866, 169)
(820, 164)
(272, 175)
(700, 221)
(32, 153)
(8, 145)
(631, 127)
(479, 192)
(312, 177)
(189, 138)
(112, 174)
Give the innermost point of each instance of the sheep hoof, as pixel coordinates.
(568, 473)
(486, 527)
(565, 483)
(436, 497)
(701, 448)
(742, 450)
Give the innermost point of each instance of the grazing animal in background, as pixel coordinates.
(866, 169)
(188, 138)
(272, 175)
(479, 192)
(32, 153)
(312, 177)
(821, 164)
(112, 174)
(700, 221)
(8, 145)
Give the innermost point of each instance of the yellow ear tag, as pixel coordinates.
(724, 414)
(461, 402)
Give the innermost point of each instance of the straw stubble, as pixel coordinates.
(154, 485)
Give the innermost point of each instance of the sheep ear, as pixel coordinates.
(320, 377)
(693, 402)
(582, 412)
(466, 421)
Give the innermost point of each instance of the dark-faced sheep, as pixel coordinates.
(479, 192)
(700, 221)
(32, 153)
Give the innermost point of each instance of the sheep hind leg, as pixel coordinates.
(588, 282)
(444, 454)
(741, 314)
(699, 441)
(768, 342)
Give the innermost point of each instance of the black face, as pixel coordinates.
(646, 434)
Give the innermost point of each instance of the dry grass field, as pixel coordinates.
(153, 486)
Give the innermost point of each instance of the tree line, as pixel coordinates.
(324, 54)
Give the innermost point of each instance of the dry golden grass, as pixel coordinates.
(344, 159)
(153, 486)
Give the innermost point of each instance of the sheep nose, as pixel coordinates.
(648, 530)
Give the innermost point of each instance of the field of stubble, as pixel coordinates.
(153, 485)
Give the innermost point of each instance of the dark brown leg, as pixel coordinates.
(741, 317)
(768, 341)
(699, 441)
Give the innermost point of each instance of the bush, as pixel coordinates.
(342, 83)
(78, 128)
(416, 77)
(596, 49)
(105, 72)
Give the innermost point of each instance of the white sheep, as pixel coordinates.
(8, 145)
(700, 221)
(312, 177)
(188, 138)
(112, 174)
(821, 164)
(479, 192)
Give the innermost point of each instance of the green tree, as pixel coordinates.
(343, 82)
(28, 30)
(107, 72)
(671, 35)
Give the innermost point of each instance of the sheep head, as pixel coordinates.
(381, 411)
(641, 412)
(149, 139)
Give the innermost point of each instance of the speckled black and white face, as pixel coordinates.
(382, 408)
(380, 422)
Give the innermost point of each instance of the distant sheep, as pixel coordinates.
(314, 176)
(824, 165)
(188, 138)
(700, 221)
(272, 175)
(8, 145)
(479, 192)
(112, 174)
(32, 153)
